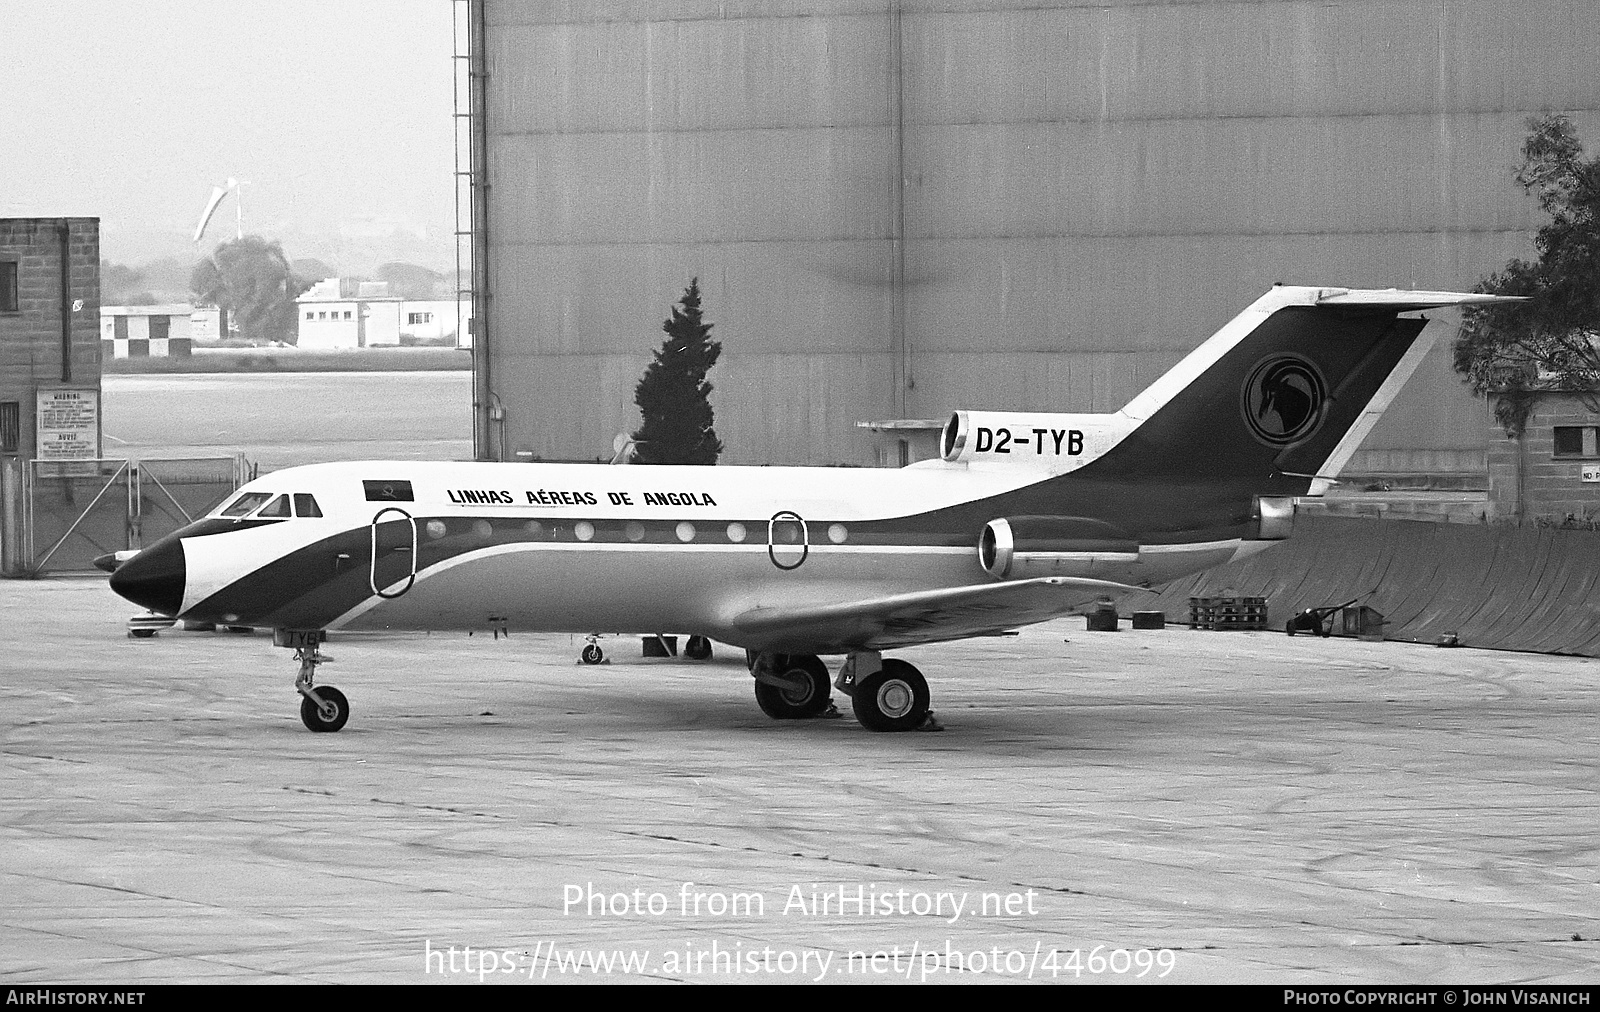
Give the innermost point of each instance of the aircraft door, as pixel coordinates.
(394, 552)
(788, 541)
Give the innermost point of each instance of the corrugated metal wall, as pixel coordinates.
(898, 209)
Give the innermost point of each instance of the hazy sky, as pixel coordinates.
(337, 113)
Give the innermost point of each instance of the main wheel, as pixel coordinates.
(697, 649)
(810, 695)
(1288, 627)
(592, 654)
(312, 717)
(894, 699)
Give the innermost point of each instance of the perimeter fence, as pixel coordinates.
(76, 511)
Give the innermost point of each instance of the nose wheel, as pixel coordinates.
(329, 714)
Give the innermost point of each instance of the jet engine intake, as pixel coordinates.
(1029, 439)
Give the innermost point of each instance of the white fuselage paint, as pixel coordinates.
(698, 584)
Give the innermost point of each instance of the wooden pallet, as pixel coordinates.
(1228, 613)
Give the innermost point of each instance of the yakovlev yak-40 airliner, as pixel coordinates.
(1025, 517)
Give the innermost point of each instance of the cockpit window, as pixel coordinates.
(305, 505)
(245, 503)
(278, 507)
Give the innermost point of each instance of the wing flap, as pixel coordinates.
(927, 616)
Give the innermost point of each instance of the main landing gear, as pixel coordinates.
(791, 686)
(886, 694)
(322, 708)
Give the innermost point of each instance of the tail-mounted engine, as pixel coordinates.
(1273, 519)
(1057, 442)
(1029, 546)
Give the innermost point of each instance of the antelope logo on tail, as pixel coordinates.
(1283, 400)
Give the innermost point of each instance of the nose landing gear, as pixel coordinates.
(321, 709)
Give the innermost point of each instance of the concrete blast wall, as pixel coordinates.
(1506, 588)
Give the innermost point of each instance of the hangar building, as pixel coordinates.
(897, 208)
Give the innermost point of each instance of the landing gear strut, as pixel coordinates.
(322, 708)
(791, 686)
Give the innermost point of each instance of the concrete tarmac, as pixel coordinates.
(1198, 806)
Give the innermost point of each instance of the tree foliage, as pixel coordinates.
(120, 285)
(1551, 342)
(409, 281)
(674, 397)
(252, 280)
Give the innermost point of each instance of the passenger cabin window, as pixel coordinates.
(245, 503)
(275, 509)
(305, 505)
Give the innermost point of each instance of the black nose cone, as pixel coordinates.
(153, 578)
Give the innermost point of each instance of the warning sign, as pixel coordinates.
(68, 424)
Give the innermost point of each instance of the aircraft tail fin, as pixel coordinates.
(1289, 387)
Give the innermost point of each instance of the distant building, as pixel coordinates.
(1553, 472)
(205, 324)
(903, 441)
(342, 313)
(146, 331)
(428, 321)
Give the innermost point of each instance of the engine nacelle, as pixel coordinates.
(1030, 546)
(1273, 519)
(1055, 441)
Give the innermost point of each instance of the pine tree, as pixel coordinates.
(673, 396)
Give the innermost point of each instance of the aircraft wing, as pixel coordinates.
(927, 616)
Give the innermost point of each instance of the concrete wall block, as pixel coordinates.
(823, 184)
(1203, 176)
(1147, 61)
(676, 74)
(780, 297)
(769, 408)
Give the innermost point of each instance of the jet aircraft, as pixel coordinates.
(1024, 517)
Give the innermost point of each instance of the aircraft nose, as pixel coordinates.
(154, 578)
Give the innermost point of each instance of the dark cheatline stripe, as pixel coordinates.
(222, 525)
(314, 585)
